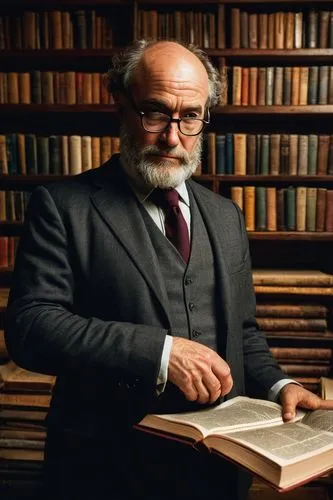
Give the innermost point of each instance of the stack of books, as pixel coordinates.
(294, 308)
(24, 400)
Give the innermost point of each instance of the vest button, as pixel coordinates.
(191, 306)
(195, 334)
(188, 281)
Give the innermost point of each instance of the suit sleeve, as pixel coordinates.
(44, 334)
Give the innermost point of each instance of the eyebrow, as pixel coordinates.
(164, 108)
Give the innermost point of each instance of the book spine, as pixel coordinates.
(249, 207)
(261, 210)
(301, 208)
(271, 209)
(329, 210)
(240, 154)
(237, 196)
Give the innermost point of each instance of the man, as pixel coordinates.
(129, 323)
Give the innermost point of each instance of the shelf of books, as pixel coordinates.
(269, 148)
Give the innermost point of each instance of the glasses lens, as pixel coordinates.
(191, 127)
(158, 122)
(155, 122)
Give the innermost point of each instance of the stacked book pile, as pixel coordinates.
(294, 308)
(24, 400)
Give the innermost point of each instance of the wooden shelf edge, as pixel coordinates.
(258, 178)
(291, 235)
(306, 53)
(8, 180)
(309, 110)
(253, 235)
(56, 108)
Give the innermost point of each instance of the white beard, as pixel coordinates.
(159, 173)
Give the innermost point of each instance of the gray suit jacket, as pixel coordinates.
(88, 302)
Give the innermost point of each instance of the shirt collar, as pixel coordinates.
(143, 194)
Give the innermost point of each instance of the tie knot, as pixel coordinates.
(165, 198)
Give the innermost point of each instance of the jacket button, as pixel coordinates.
(195, 334)
(188, 281)
(191, 306)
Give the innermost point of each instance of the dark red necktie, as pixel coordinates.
(176, 229)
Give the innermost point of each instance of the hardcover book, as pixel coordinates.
(251, 433)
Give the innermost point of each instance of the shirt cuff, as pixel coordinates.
(163, 373)
(274, 392)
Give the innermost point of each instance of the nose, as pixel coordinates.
(171, 135)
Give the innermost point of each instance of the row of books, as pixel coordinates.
(249, 86)
(281, 30)
(294, 310)
(53, 87)
(13, 205)
(79, 29)
(56, 154)
(285, 209)
(267, 154)
(8, 247)
(280, 86)
(238, 28)
(240, 154)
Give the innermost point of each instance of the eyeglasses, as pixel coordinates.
(156, 122)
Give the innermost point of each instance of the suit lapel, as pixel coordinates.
(118, 206)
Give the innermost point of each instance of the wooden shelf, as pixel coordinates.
(101, 57)
(264, 55)
(290, 236)
(12, 228)
(51, 4)
(309, 110)
(8, 181)
(27, 181)
(235, 2)
(266, 179)
(56, 108)
(68, 3)
(49, 59)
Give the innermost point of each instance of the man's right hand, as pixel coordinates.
(198, 371)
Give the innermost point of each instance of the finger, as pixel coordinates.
(222, 372)
(289, 407)
(326, 404)
(203, 395)
(213, 386)
(190, 392)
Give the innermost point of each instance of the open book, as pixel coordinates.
(251, 433)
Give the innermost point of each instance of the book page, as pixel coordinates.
(239, 412)
(284, 443)
(320, 420)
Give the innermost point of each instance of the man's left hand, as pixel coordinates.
(293, 395)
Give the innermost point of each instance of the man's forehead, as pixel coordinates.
(171, 62)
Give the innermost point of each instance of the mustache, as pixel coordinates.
(155, 150)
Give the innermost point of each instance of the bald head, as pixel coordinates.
(173, 57)
(143, 55)
(168, 64)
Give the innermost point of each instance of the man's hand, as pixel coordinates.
(293, 395)
(199, 372)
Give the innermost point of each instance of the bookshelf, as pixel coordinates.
(222, 40)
